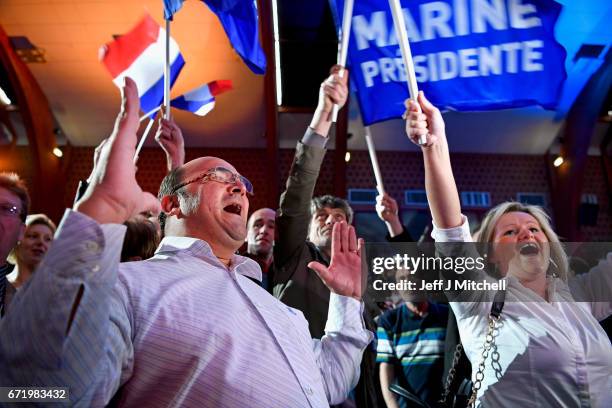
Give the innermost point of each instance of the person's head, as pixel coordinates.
(141, 239)
(260, 232)
(326, 211)
(206, 199)
(522, 240)
(38, 235)
(14, 207)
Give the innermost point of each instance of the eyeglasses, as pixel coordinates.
(9, 210)
(221, 175)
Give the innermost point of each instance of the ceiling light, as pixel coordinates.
(4, 99)
(58, 152)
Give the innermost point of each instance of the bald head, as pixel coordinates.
(203, 199)
(260, 232)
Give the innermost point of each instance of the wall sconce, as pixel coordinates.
(58, 152)
(558, 161)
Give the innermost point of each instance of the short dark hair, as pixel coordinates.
(141, 239)
(13, 183)
(167, 186)
(331, 201)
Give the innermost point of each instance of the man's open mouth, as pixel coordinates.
(233, 209)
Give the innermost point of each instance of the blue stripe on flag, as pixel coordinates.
(154, 97)
(191, 106)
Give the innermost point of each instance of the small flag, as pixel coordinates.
(140, 54)
(171, 7)
(201, 100)
(240, 21)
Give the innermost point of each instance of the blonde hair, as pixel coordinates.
(32, 219)
(40, 219)
(557, 253)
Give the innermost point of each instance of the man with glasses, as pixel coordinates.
(14, 205)
(186, 327)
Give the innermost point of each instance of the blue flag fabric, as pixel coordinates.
(171, 7)
(468, 55)
(240, 21)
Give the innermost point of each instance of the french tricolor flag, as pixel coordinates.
(140, 54)
(201, 100)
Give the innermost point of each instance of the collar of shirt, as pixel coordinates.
(556, 289)
(200, 249)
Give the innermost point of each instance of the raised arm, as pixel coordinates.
(293, 217)
(388, 211)
(425, 119)
(170, 138)
(71, 317)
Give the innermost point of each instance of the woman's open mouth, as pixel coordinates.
(529, 249)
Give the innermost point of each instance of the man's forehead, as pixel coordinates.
(263, 214)
(331, 210)
(9, 197)
(203, 164)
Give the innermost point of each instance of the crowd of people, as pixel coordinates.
(184, 300)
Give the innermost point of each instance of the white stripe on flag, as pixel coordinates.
(202, 111)
(148, 68)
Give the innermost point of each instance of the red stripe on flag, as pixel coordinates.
(122, 52)
(217, 87)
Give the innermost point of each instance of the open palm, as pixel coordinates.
(343, 276)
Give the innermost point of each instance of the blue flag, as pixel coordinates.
(240, 21)
(468, 55)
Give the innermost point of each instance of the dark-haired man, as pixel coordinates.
(304, 224)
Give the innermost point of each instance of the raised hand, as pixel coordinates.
(343, 276)
(170, 138)
(388, 211)
(423, 118)
(113, 194)
(334, 90)
(387, 208)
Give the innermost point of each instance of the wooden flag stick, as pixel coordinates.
(345, 34)
(374, 160)
(402, 37)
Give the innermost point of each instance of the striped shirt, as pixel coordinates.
(415, 345)
(179, 329)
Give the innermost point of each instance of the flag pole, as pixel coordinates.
(149, 113)
(402, 36)
(345, 33)
(374, 160)
(142, 139)
(167, 74)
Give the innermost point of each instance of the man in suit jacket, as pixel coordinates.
(304, 224)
